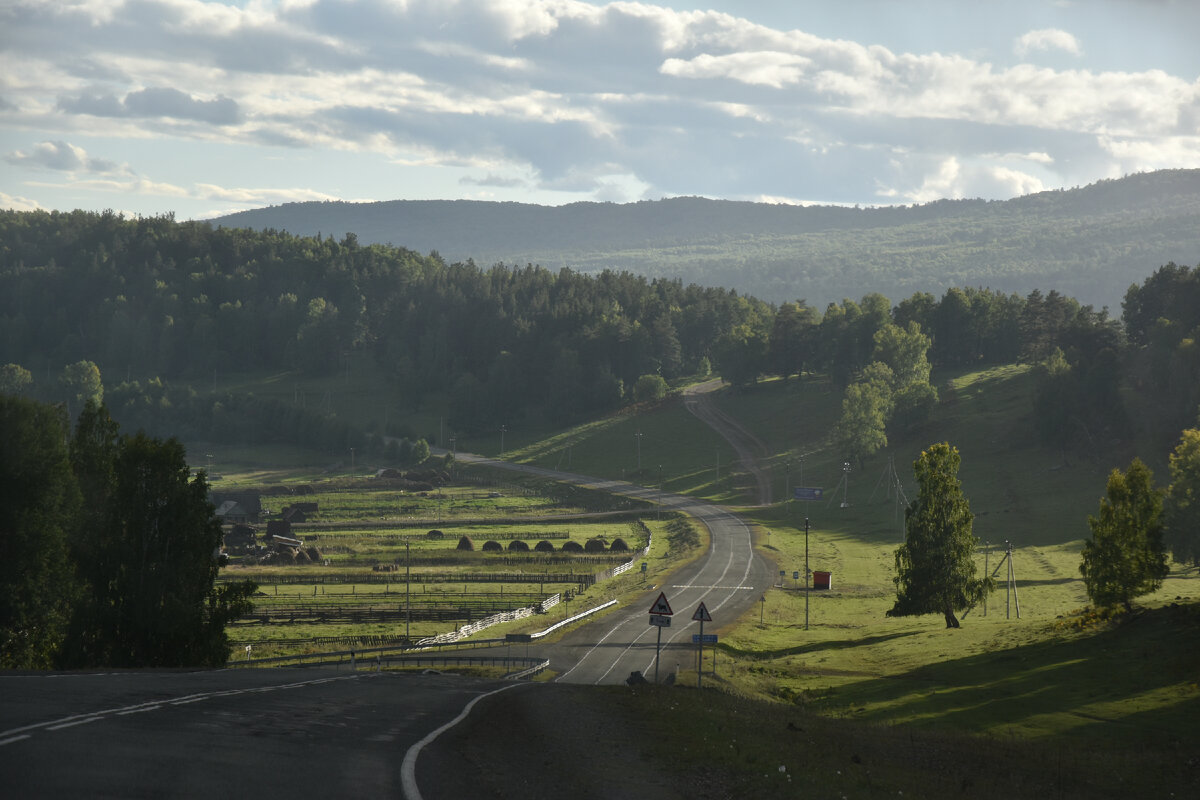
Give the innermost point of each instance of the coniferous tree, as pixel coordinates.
(935, 567)
(1125, 557)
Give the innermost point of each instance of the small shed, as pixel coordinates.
(822, 580)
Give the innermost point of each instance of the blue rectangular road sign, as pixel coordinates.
(708, 638)
(803, 493)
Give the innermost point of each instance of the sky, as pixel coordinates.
(204, 108)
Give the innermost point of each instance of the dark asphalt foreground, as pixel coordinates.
(225, 733)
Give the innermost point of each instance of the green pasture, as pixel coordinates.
(1046, 672)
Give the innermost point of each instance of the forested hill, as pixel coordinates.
(1090, 243)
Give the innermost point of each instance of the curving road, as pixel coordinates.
(729, 579)
(304, 732)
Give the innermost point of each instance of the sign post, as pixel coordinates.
(660, 617)
(702, 616)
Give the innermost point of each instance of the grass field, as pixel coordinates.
(1038, 675)
(1052, 674)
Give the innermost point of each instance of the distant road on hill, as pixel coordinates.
(1090, 243)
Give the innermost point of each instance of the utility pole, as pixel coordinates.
(807, 592)
(787, 489)
(503, 428)
(407, 584)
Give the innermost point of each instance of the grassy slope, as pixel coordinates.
(1000, 675)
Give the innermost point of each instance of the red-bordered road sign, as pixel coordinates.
(702, 614)
(661, 606)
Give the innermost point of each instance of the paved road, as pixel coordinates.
(750, 448)
(228, 733)
(729, 580)
(305, 733)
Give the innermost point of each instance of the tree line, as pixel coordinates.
(154, 298)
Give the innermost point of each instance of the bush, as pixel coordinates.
(649, 388)
(465, 543)
(544, 546)
(572, 547)
(682, 535)
(518, 546)
(491, 546)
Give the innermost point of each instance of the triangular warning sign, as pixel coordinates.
(661, 606)
(701, 614)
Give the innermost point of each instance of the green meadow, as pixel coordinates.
(1033, 663)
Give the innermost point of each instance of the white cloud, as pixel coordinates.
(567, 94)
(210, 191)
(944, 182)
(18, 203)
(62, 156)
(764, 69)
(1046, 39)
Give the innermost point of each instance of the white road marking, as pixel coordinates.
(408, 769)
(140, 710)
(701, 586)
(13, 739)
(95, 716)
(73, 724)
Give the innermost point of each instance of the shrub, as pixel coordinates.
(649, 388)
(465, 543)
(682, 535)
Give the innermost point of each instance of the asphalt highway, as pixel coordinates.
(226, 733)
(729, 580)
(309, 732)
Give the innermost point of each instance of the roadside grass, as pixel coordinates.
(679, 453)
(1033, 676)
(676, 742)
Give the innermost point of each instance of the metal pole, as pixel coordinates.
(1008, 581)
(700, 661)
(657, 653)
(638, 436)
(787, 489)
(987, 550)
(407, 595)
(806, 591)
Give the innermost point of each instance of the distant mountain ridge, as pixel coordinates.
(1090, 242)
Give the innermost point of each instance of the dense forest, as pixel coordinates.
(1090, 243)
(141, 311)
